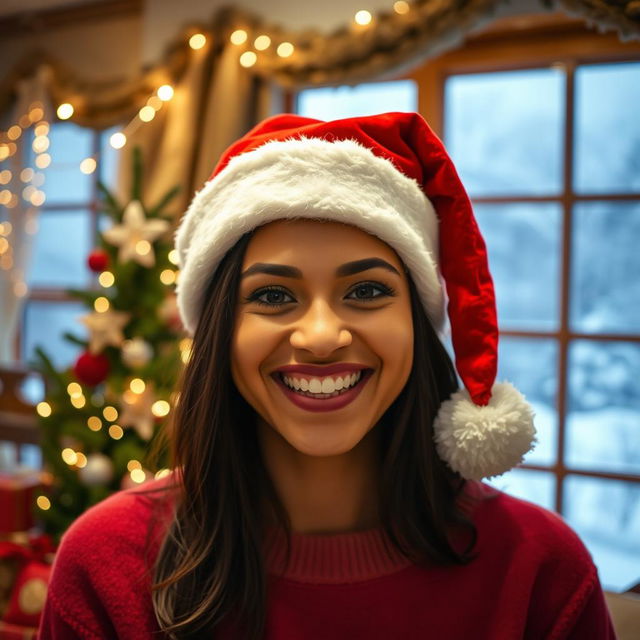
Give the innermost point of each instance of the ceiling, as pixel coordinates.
(11, 7)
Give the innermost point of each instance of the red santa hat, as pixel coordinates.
(389, 175)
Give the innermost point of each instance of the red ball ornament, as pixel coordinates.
(91, 369)
(98, 260)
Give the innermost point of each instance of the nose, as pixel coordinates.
(320, 330)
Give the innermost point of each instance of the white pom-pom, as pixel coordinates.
(481, 442)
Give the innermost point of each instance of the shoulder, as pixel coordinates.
(121, 518)
(539, 556)
(523, 525)
(101, 577)
(127, 527)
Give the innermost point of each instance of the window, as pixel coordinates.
(64, 233)
(547, 141)
(550, 157)
(332, 103)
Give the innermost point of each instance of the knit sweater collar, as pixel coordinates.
(332, 558)
(340, 558)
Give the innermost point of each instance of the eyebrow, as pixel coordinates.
(347, 269)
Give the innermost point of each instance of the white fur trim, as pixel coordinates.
(481, 442)
(342, 181)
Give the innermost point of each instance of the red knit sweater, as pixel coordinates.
(533, 579)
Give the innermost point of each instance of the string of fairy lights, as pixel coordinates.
(28, 184)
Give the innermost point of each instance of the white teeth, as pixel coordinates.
(327, 385)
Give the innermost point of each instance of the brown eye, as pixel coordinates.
(367, 291)
(270, 297)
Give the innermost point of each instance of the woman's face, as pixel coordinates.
(323, 339)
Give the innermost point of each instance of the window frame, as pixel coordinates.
(534, 42)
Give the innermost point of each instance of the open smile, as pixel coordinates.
(322, 393)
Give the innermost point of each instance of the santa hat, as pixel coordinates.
(389, 175)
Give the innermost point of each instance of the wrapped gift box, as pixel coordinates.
(17, 492)
(14, 632)
(25, 567)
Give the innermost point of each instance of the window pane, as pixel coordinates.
(31, 456)
(64, 182)
(605, 294)
(60, 251)
(603, 423)
(523, 242)
(331, 103)
(531, 365)
(504, 131)
(607, 135)
(45, 322)
(606, 515)
(534, 486)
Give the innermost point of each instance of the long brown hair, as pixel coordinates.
(210, 566)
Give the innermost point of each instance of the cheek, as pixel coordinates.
(394, 345)
(251, 344)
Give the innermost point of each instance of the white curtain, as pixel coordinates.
(23, 218)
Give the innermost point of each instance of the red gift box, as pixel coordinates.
(14, 632)
(28, 565)
(17, 492)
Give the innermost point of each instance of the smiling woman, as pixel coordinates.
(326, 466)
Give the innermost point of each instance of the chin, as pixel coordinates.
(321, 445)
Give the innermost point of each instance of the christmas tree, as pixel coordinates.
(101, 417)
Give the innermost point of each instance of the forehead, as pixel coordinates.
(306, 241)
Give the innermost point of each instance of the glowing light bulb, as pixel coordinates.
(168, 276)
(401, 7)
(160, 408)
(43, 160)
(363, 17)
(106, 279)
(88, 166)
(137, 385)
(138, 476)
(118, 140)
(65, 111)
(94, 423)
(43, 409)
(40, 144)
(116, 431)
(285, 49)
(262, 42)
(165, 92)
(74, 389)
(36, 114)
(147, 114)
(197, 41)
(248, 59)
(110, 413)
(101, 304)
(14, 132)
(239, 36)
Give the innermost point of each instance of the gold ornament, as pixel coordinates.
(32, 596)
(105, 328)
(137, 412)
(135, 235)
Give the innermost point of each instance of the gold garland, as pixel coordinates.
(383, 45)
